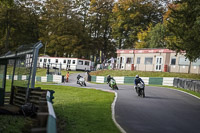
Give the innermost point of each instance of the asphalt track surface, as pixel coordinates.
(161, 111)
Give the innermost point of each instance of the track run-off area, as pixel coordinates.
(163, 110)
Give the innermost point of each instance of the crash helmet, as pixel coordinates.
(137, 76)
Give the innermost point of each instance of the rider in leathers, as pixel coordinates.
(137, 81)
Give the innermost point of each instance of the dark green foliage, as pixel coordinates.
(184, 23)
(18, 25)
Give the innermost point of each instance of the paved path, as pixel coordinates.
(161, 111)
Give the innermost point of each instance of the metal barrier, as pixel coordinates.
(193, 85)
(46, 118)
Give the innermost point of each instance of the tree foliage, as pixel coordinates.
(184, 24)
(96, 28)
(132, 16)
(18, 25)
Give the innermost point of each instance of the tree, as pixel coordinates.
(18, 25)
(62, 29)
(158, 36)
(184, 23)
(100, 30)
(143, 38)
(132, 16)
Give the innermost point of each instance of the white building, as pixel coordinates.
(75, 64)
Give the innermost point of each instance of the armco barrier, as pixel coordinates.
(48, 78)
(168, 81)
(193, 85)
(145, 79)
(197, 86)
(93, 78)
(45, 121)
(129, 80)
(155, 80)
(51, 123)
(119, 80)
(100, 79)
(175, 82)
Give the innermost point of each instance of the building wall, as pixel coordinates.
(149, 67)
(64, 64)
(171, 62)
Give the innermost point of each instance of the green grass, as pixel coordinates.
(14, 124)
(42, 72)
(82, 110)
(144, 74)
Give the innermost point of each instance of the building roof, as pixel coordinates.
(62, 58)
(138, 51)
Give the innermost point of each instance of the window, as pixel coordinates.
(69, 62)
(74, 62)
(64, 61)
(56, 60)
(138, 60)
(87, 63)
(40, 60)
(129, 60)
(148, 60)
(173, 61)
(49, 60)
(80, 62)
(183, 61)
(196, 63)
(45, 60)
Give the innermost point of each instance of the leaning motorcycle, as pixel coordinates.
(140, 89)
(113, 84)
(81, 81)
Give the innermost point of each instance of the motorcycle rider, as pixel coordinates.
(108, 79)
(78, 77)
(137, 81)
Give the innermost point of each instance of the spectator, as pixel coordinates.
(67, 77)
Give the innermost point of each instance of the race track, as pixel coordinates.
(161, 111)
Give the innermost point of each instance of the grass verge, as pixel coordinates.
(42, 72)
(83, 110)
(143, 74)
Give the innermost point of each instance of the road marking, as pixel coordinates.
(113, 114)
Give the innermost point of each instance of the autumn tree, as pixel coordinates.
(132, 16)
(143, 38)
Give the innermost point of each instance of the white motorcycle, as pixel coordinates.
(81, 81)
(140, 89)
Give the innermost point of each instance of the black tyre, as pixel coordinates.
(85, 84)
(117, 88)
(143, 94)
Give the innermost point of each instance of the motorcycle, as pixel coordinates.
(113, 84)
(81, 81)
(140, 89)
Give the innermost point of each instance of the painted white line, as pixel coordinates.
(113, 114)
(112, 106)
